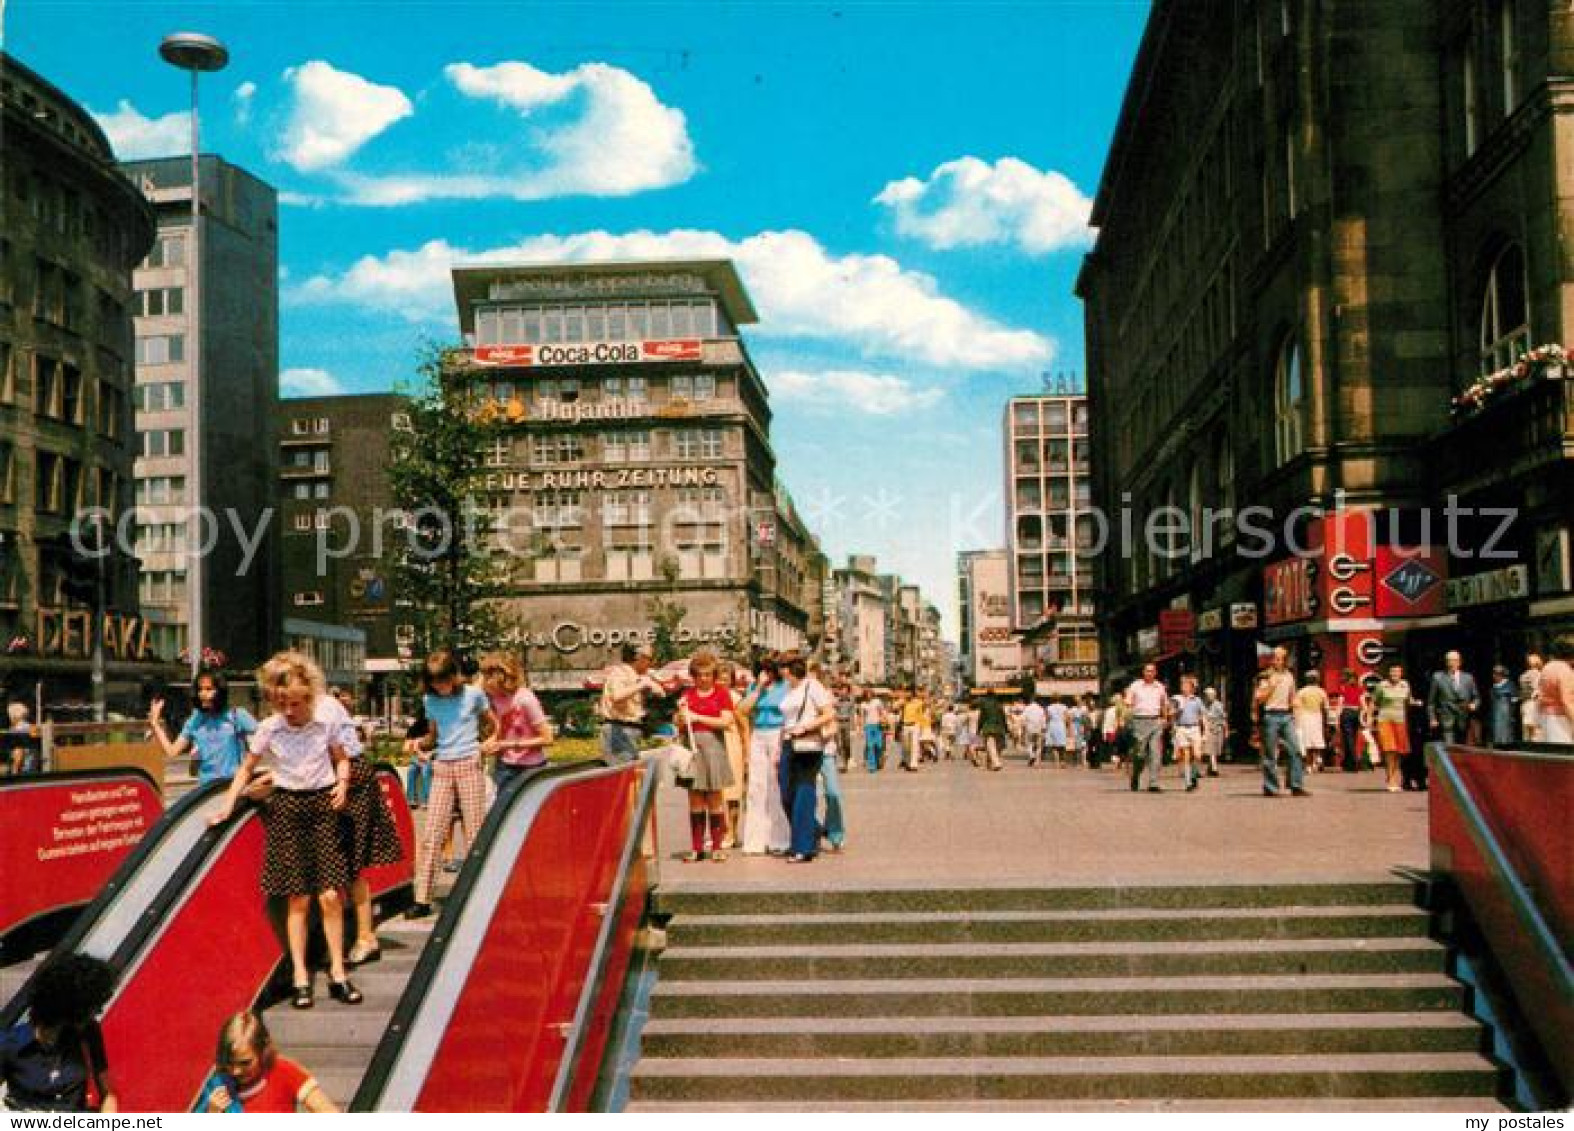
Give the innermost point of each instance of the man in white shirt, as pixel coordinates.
(1148, 702)
(1034, 723)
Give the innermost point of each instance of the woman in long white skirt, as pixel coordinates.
(765, 827)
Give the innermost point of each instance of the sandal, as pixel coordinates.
(302, 997)
(363, 955)
(718, 856)
(346, 992)
(692, 857)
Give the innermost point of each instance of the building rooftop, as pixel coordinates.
(473, 284)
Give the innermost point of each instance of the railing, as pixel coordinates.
(1499, 825)
(1526, 428)
(511, 1004)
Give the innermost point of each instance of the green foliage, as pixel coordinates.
(666, 616)
(439, 564)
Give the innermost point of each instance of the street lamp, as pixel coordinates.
(194, 53)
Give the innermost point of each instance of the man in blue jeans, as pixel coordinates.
(1275, 696)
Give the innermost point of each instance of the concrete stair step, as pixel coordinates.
(1190, 1077)
(910, 997)
(1090, 959)
(1410, 1104)
(1048, 926)
(1177, 1035)
(1194, 897)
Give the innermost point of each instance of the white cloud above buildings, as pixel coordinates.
(876, 394)
(869, 305)
(245, 94)
(332, 113)
(309, 382)
(514, 132)
(134, 136)
(970, 203)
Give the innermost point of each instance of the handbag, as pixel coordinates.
(801, 747)
(680, 759)
(1374, 755)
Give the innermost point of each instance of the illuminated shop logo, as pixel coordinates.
(1412, 579)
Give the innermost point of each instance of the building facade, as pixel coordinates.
(210, 446)
(71, 230)
(991, 647)
(1051, 538)
(863, 617)
(336, 517)
(1367, 213)
(635, 481)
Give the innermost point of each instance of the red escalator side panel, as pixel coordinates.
(63, 835)
(502, 1050)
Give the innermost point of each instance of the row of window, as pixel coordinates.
(157, 443)
(680, 386)
(62, 485)
(160, 349)
(155, 302)
(310, 426)
(61, 393)
(627, 446)
(317, 461)
(160, 396)
(657, 319)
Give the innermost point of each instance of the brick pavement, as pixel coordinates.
(951, 823)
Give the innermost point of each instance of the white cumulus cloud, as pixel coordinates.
(134, 136)
(245, 94)
(868, 303)
(877, 394)
(333, 113)
(308, 382)
(612, 136)
(971, 203)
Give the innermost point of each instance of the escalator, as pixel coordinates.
(521, 945)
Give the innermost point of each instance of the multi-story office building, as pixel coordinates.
(1052, 539)
(991, 647)
(336, 517)
(210, 446)
(1363, 218)
(863, 614)
(636, 464)
(71, 229)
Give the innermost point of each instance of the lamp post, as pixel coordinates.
(194, 53)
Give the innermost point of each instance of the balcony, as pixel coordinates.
(1526, 430)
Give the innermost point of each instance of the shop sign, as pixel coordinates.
(1073, 671)
(1410, 584)
(1288, 593)
(569, 637)
(1553, 562)
(612, 479)
(589, 353)
(1148, 641)
(1177, 630)
(69, 635)
(1509, 584)
(1210, 620)
(1243, 614)
(1344, 581)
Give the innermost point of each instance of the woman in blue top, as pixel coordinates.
(216, 730)
(765, 826)
(460, 719)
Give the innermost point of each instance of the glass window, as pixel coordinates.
(1289, 403)
(1505, 312)
(530, 325)
(1508, 41)
(638, 322)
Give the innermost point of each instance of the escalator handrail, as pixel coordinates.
(1542, 938)
(569, 1067)
(530, 790)
(144, 921)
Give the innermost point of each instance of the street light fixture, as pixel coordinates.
(194, 53)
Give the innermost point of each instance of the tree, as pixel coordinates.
(441, 569)
(666, 616)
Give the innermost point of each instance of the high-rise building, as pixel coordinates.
(1051, 539)
(636, 466)
(71, 228)
(210, 446)
(863, 613)
(337, 518)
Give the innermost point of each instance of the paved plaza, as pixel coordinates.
(952, 823)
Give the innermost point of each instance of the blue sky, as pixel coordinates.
(904, 188)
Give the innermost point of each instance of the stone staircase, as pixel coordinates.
(1218, 997)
